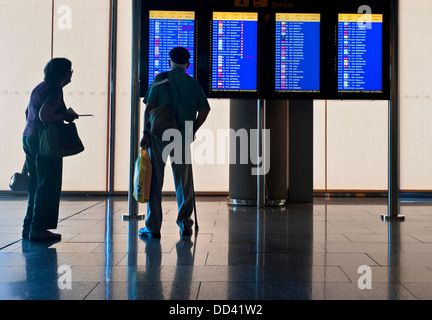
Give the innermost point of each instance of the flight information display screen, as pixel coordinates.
(297, 52)
(169, 29)
(360, 53)
(234, 51)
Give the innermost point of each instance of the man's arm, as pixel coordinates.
(145, 141)
(201, 118)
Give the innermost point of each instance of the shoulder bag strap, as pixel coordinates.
(165, 79)
(24, 170)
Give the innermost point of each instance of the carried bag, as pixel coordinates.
(58, 139)
(20, 181)
(163, 117)
(142, 177)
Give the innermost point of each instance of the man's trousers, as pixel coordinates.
(182, 173)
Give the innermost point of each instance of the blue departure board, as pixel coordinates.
(169, 29)
(360, 53)
(297, 52)
(234, 51)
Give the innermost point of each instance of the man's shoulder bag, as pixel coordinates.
(163, 117)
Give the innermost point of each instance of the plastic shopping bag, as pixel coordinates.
(142, 177)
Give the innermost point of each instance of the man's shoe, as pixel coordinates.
(43, 235)
(186, 233)
(144, 232)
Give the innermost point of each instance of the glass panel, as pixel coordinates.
(24, 54)
(81, 34)
(319, 145)
(357, 145)
(123, 96)
(415, 95)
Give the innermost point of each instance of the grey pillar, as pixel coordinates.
(277, 120)
(300, 188)
(242, 184)
(291, 152)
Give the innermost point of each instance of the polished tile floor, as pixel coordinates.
(335, 248)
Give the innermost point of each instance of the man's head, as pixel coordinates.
(179, 58)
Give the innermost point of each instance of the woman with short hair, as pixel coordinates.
(46, 105)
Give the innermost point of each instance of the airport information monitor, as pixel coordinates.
(297, 53)
(169, 29)
(272, 49)
(234, 50)
(360, 53)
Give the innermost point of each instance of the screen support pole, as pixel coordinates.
(261, 106)
(112, 98)
(393, 144)
(135, 105)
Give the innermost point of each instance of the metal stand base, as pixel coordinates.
(268, 203)
(387, 218)
(130, 217)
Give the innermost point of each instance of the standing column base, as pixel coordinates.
(131, 217)
(387, 218)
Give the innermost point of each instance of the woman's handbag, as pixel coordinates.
(20, 180)
(58, 139)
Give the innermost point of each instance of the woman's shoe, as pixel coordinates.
(43, 235)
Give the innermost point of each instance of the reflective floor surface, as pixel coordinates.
(330, 249)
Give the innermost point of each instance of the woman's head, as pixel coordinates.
(59, 71)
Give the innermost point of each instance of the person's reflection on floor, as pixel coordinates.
(152, 273)
(181, 287)
(41, 269)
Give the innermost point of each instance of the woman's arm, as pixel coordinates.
(48, 114)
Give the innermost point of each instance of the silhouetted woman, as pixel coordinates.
(46, 105)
